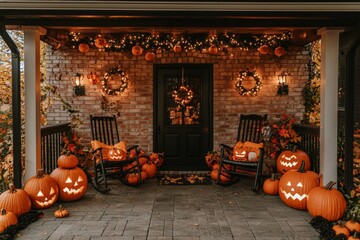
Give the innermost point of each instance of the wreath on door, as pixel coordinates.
(244, 75)
(124, 81)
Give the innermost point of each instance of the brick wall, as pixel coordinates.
(135, 105)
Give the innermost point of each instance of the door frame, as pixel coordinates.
(155, 96)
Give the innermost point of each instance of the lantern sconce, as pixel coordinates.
(78, 88)
(283, 88)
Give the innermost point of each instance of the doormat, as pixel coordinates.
(183, 179)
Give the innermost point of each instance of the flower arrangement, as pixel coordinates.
(283, 136)
(72, 143)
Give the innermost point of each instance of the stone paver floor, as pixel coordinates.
(157, 212)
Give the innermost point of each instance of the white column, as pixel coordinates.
(329, 103)
(32, 101)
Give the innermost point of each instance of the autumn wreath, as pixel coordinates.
(124, 80)
(244, 75)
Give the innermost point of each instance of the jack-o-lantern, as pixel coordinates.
(294, 187)
(213, 49)
(264, 49)
(116, 154)
(177, 48)
(42, 189)
(279, 51)
(83, 47)
(150, 56)
(288, 160)
(136, 50)
(72, 183)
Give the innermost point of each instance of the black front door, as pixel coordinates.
(183, 114)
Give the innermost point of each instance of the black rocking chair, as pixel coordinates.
(250, 127)
(105, 130)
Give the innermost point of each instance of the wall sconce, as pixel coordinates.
(78, 88)
(283, 88)
(93, 79)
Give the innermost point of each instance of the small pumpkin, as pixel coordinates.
(279, 51)
(67, 160)
(142, 160)
(353, 225)
(355, 237)
(42, 189)
(339, 228)
(150, 56)
(294, 187)
(2, 228)
(143, 175)
(264, 49)
(7, 218)
(136, 50)
(291, 159)
(326, 202)
(61, 212)
(214, 174)
(150, 169)
(83, 47)
(133, 178)
(271, 185)
(213, 50)
(15, 200)
(100, 42)
(177, 48)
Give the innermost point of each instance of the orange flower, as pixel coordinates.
(284, 133)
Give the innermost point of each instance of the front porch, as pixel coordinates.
(192, 212)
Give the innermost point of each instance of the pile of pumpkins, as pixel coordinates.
(148, 170)
(301, 189)
(66, 183)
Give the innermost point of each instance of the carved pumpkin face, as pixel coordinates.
(117, 154)
(43, 190)
(294, 187)
(72, 183)
(289, 160)
(240, 154)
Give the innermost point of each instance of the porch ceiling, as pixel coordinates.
(303, 18)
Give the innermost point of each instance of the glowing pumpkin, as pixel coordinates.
(326, 202)
(294, 187)
(83, 47)
(42, 189)
(213, 50)
(72, 183)
(116, 154)
(291, 159)
(264, 49)
(150, 56)
(67, 160)
(177, 48)
(15, 200)
(136, 50)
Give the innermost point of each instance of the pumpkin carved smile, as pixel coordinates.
(46, 202)
(289, 163)
(290, 194)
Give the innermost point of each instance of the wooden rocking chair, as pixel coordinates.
(109, 160)
(249, 130)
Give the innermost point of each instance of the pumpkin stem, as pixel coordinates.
(60, 207)
(302, 167)
(330, 185)
(3, 211)
(12, 188)
(272, 177)
(356, 234)
(40, 173)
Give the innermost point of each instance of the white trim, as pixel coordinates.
(181, 6)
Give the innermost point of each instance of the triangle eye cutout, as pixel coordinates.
(288, 184)
(299, 184)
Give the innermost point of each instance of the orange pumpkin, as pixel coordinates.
(2, 228)
(291, 159)
(213, 49)
(177, 48)
(353, 226)
(143, 175)
(150, 169)
(214, 174)
(294, 187)
(341, 229)
(355, 237)
(7, 218)
(264, 49)
(326, 202)
(67, 160)
(83, 47)
(42, 189)
(279, 51)
(225, 177)
(72, 183)
(132, 178)
(136, 50)
(150, 56)
(142, 160)
(15, 200)
(100, 42)
(216, 166)
(271, 186)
